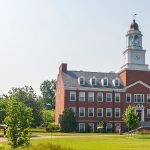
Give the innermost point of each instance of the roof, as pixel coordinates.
(70, 79)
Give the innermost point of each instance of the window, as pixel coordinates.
(81, 127)
(139, 98)
(116, 82)
(90, 112)
(148, 98)
(93, 81)
(81, 80)
(99, 112)
(128, 98)
(91, 127)
(108, 112)
(72, 96)
(81, 112)
(109, 125)
(100, 97)
(74, 110)
(105, 82)
(81, 96)
(109, 97)
(117, 97)
(91, 96)
(148, 113)
(117, 112)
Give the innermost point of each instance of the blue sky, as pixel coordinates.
(36, 36)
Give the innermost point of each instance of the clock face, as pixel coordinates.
(137, 57)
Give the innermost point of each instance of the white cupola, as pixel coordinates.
(134, 55)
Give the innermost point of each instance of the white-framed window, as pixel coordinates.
(91, 126)
(99, 112)
(117, 97)
(72, 96)
(104, 81)
(99, 96)
(91, 112)
(117, 112)
(81, 96)
(81, 127)
(81, 112)
(128, 97)
(93, 81)
(81, 80)
(116, 82)
(148, 113)
(148, 98)
(108, 112)
(73, 109)
(91, 96)
(139, 98)
(108, 97)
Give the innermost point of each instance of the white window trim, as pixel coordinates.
(115, 113)
(83, 80)
(119, 98)
(114, 82)
(89, 111)
(148, 110)
(130, 97)
(92, 125)
(97, 112)
(148, 95)
(92, 95)
(102, 81)
(95, 81)
(135, 96)
(72, 93)
(106, 97)
(97, 96)
(106, 113)
(83, 126)
(84, 111)
(84, 97)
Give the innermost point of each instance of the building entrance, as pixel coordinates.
(139, 112)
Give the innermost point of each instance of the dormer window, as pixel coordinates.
(116, 82)
(105, 82)
(81, 80)
(93, 81)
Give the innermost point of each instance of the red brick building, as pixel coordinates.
(99, 96)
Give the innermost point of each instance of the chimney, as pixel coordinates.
(63, 68)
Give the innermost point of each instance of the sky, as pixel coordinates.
(36, 36)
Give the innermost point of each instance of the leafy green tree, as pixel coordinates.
(48, 93)
(67, 121)
(130, 117)
(47, 116)
(28, 96)
(18, 120)
(3, 104)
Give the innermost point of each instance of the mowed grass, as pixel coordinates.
(101, 142)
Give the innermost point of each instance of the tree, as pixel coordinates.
(3, 103)
(28, 96)
(47, 116)
(67, 121)
(130, 117)
(48, 93)
(18, 120)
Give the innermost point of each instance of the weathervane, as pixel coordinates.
(134, 16)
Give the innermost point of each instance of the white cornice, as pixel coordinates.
(138, 82)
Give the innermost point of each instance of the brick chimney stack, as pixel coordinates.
(63, 68)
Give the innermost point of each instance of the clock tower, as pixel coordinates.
(134, 55)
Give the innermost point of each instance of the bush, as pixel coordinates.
(52, 127)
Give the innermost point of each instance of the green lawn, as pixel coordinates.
(102, 142)
(94, 141)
